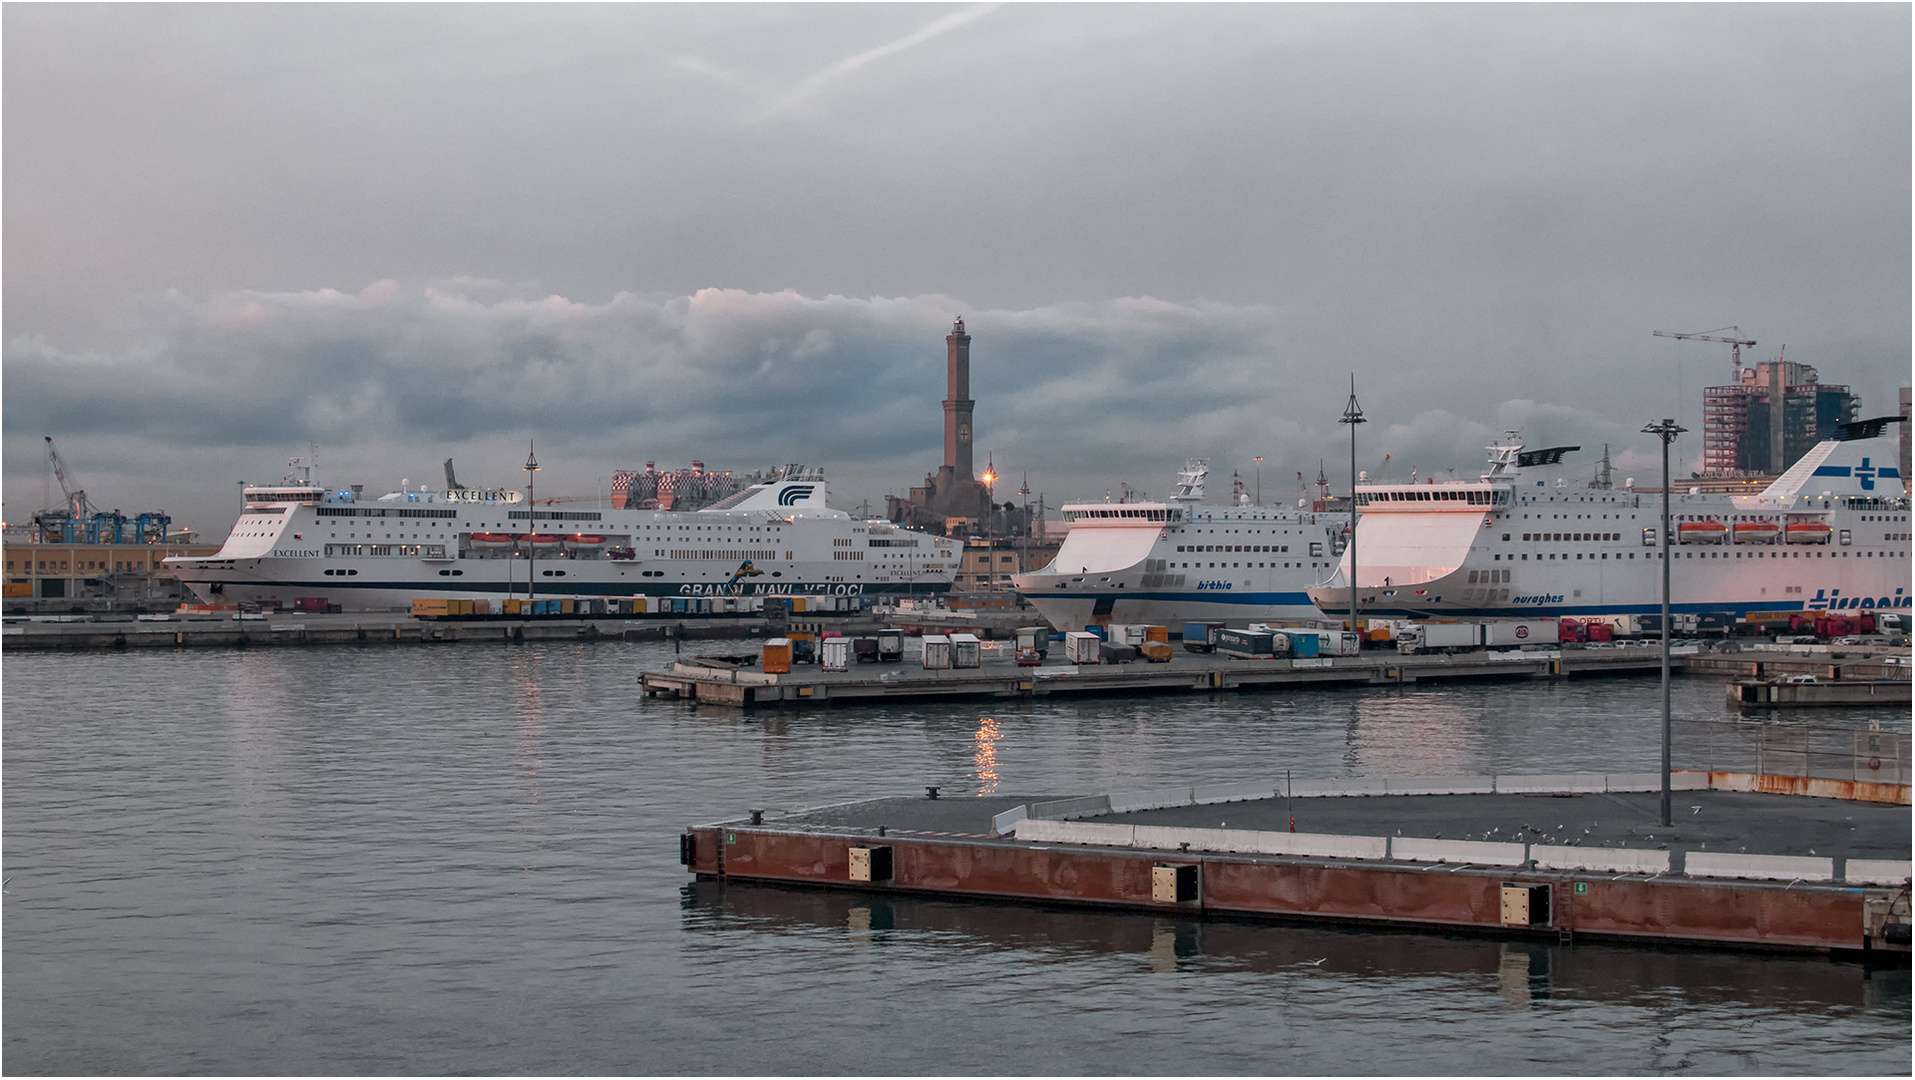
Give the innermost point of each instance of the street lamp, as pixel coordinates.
(1352, 415)
(1259, 462)
(1667, 432)
(531, 516)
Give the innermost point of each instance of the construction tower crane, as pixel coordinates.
(76, 503)
(1735, 346)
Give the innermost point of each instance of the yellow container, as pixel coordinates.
(512, 606)
(797, 603)
(430, 607)
(777, 656)
(1156, 652)
(566, 607)
(638, 605)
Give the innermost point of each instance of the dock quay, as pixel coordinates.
(1559, 857)
(745, 687)
(355, 628)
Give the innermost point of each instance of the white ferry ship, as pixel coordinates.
(1167, 563)
(1831, 533)
(300, 540)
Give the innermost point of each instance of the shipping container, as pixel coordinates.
(836, 654)
(1511, 632)
(937, 652)
(1080, 647)
(865, 649)
(890, 644)
(777, 656)
(1035, 638)
(966, 651)
(1201, 636)
(1160, 634)
(429, 608)
(1247, 644)
(1304, 645)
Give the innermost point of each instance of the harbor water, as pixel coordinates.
(464, 859)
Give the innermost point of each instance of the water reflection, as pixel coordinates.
(986, 756)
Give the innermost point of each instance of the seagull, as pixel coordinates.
(1318, 962)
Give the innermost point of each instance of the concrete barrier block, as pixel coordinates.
(1601, 860)
(1168, 837)
(1761, 867)
(1075, 832)
(1480, 852)
(1686, 781)
(1353, 785)
(1438, 785)
(1070, 809)
(1005, 823)
(1621, 782)
(1550, 785)
(1331, 846)
(1876, 871)
(1129, 801)
(1211, 794)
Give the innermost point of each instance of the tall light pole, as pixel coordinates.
(1259, 481)
(531, 516)
(1352, 415)
(1667, 432)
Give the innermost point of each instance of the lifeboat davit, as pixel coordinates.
(491, 540)
(1807, 532)
(620, 553)
(1701, 532)
(1757, 532)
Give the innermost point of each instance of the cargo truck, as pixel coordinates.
(1201, 636)
(1080, 647)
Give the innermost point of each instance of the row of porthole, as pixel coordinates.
(349, 573)
(452, 573)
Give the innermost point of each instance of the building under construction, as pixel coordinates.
(1774, 415)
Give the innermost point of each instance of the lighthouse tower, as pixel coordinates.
(953, 494)
(957, 405)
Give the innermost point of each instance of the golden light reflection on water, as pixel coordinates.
(985, 755)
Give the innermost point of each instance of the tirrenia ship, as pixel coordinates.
(300, 540)
(1176, 561)
(1831, 533)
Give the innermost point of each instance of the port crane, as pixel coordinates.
(1735, 345)
(76, 502)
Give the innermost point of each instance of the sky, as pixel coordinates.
(739, 233)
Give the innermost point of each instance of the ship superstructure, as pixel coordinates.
(298, 539)
(1175, 561)
(1832, 533)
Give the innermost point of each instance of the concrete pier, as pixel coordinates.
(748, 687)
(1556, 856)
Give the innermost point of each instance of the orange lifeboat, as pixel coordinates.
(1757, 532)
(584, 541)
(541, 540)
(1807, 532)
(1701, 532)
(491, 540)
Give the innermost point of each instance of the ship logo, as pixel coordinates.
(1865, 474)
(745, 570)
(792, 495)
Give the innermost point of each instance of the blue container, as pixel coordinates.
(1102, 632)
(1304, 644)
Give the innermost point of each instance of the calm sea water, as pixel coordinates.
(464, 859)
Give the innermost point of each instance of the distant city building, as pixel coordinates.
(1907, 484)
(1775, 415)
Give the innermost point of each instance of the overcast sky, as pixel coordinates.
(740, 233)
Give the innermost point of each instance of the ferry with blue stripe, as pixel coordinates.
(1177, 561)
(1830, 534)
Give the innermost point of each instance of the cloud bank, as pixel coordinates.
(1082, 397)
